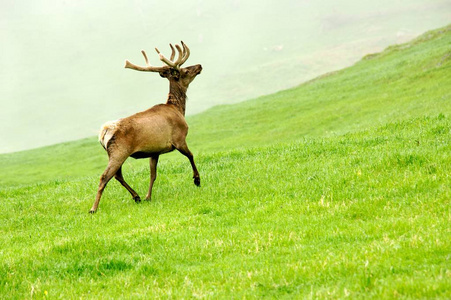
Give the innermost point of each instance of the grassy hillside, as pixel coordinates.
(404, 81)
(61, 68)
(337, 188)
(361, 215)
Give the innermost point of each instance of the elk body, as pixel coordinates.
(152, 132)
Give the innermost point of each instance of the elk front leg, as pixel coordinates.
(120, 178)
(183, 148)
(153, 175)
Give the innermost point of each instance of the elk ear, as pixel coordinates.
(165, 73)
(171, 73)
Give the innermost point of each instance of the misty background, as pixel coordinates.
(62, 62)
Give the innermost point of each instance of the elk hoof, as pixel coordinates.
(197, 181)
(92, 212)
(137, 199)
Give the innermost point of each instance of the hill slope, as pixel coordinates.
(364, 215)
(404, 81)
(356, 205)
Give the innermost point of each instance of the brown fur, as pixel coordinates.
(149, 133)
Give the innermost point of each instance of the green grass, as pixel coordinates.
(361, 215)
(337, 188)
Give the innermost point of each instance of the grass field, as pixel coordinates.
(404, 81)
(337, 188)
(361, 215)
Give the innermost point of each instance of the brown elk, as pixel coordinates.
(152, 132)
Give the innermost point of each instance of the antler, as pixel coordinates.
(181, 59)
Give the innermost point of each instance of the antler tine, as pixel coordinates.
(186, 53)
(179, 58)
(173, 52)
(176, 64)
(165, 60)
(145, 58)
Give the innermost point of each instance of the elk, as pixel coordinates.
(152, 132)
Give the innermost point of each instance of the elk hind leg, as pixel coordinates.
(110, 171)
(120, 178)
(153, 175)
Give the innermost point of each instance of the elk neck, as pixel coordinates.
(177, 96)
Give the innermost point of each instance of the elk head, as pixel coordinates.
(172, 70)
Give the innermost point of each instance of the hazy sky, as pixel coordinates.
(61, 62)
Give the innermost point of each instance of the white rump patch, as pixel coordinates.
(107, 131)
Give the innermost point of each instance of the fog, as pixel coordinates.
(62, 62)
